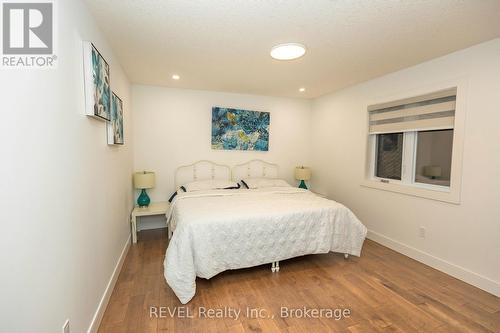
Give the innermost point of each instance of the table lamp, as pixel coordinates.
(302, 174)
(432, 171)
(142, 181)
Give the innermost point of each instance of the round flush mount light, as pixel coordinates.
(175, 77)
(302, 89)
(288, 51)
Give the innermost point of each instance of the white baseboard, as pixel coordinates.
(94, 325)
(456, 271)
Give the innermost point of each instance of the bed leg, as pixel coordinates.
(275, 266)
(346, 255)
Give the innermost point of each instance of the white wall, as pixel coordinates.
(172, 127)
(65, 194)
(462, 240)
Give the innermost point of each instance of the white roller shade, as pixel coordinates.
(428, 112)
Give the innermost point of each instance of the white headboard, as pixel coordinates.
(201, 170)
(254, 169)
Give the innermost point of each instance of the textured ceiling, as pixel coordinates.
(224, 45)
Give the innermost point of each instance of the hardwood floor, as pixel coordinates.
(384, 290)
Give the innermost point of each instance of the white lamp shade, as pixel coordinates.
(144, 179)
(432, 171)
(302, 173)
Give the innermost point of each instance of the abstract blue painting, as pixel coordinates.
(234, 129)
(115, 125)
(102, 91)
(97, 84)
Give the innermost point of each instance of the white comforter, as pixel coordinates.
(231, 229)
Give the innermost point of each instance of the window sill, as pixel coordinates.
(438, 194)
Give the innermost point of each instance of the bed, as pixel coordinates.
(218, 230)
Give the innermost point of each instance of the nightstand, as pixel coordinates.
(155, 208)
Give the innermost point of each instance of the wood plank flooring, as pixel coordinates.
(384, 291)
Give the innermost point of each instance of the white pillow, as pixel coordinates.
(211, 184)
(264, 182)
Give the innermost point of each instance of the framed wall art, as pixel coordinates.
(235, 129)
(97, 83)
(115, 125)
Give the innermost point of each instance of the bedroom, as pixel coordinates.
(391, 107)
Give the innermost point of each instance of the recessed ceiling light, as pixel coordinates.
(176, 77)
(302, 89)
(288, 51)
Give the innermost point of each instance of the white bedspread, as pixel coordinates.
(230, 229)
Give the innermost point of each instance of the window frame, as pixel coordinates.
(408, 164)
(451, 194)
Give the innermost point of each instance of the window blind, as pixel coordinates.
(427, 112)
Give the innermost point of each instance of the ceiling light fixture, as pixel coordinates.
(302, 89)
(288, 51)
(176, 77)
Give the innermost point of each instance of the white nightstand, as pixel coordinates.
(155, 208)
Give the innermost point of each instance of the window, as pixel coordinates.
(433, 159)
(389, 155)
(412, 141)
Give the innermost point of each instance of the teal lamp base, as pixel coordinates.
(143, 199)
(303, 184)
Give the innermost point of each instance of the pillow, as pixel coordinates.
(264, 182)
(180, 190)
(212, 184)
